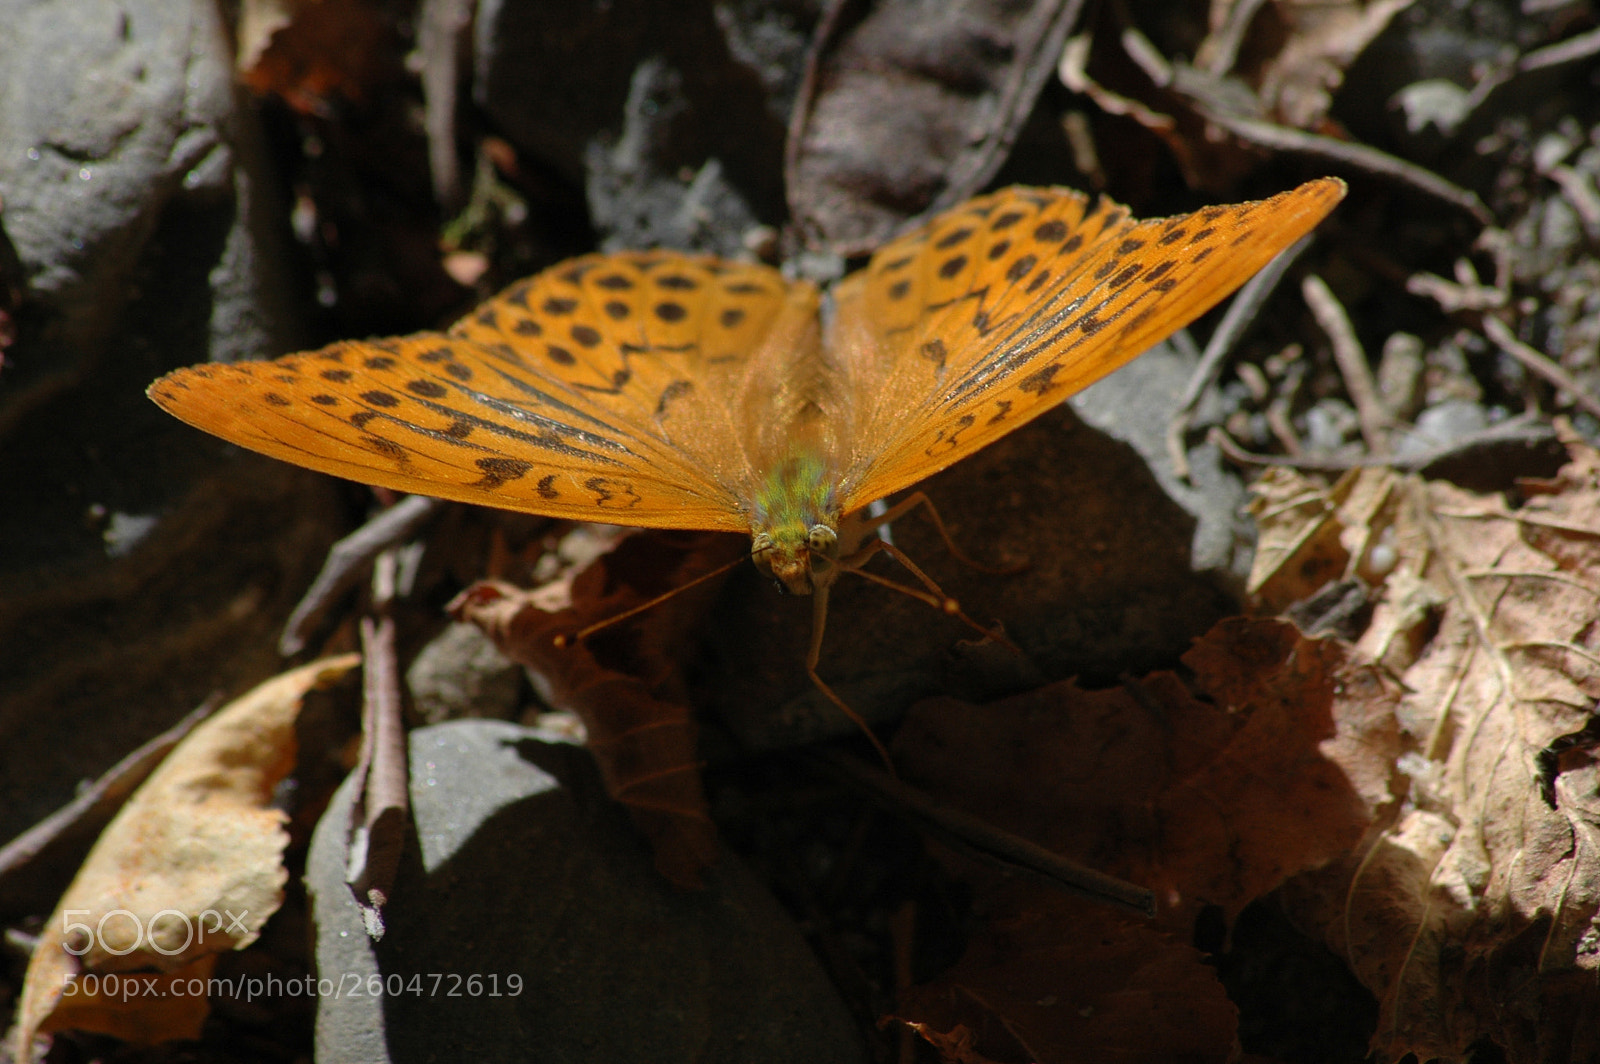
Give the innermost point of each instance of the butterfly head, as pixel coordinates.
(794, 525)
(800, 559)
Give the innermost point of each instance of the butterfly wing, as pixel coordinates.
(971, 326)
(601, 389)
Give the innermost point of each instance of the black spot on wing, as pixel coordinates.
(671, 393)
(498, 471)
(1041, 380)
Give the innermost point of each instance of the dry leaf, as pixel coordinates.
(623, 683)
(1035, 986)
(1282, 767)
(910, 107)
(1320, 41)
(1310, 534)
(310, 51)
(1473, 914)
(190, 867)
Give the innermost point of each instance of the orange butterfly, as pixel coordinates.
(676, 391)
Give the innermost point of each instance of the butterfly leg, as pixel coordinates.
(919, 498)
(819, 623)
(933, 596)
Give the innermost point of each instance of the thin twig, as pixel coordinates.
(988, 843)
(382, 806)
(1570, 50)
(1522, 430)
(1537, 362)
(1282, 138)
(1239, 316)
(1347, 351)
(97, 803)
(347, 563)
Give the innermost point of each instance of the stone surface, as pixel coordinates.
(523, 873)
(671, 117)
(135, 196)
(460, 673)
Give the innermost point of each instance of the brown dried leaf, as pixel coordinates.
(1320, 41)
(1276, 64)
(1056, 980)
(623, 682)
(909, 107)
(310, 51)
(1214, 802)
(1478, 893)
(190, 867)
(1310, 534)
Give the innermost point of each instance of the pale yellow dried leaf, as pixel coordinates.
(1324, 38)
(190, 867)
(1310, 533)
(1479, 890)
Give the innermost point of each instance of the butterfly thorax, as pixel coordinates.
(794, 523)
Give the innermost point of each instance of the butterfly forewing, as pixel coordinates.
(597, 390)
(964, 330)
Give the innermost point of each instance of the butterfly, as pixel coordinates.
(676, 391)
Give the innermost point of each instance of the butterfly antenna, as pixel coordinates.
(565, 640)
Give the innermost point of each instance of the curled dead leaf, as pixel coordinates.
(623, 683)
(1279, 762)
(1476, 891)
(190, 867)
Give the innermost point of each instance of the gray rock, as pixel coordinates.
(671, 117)
(116, 114)
(526, 876)
(1135, 405)
(130, 586)
(460, 673)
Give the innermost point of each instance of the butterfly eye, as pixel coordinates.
(761, 552)
(822, 540)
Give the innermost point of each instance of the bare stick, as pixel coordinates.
(1540, 364)
(1352, 362)
(990, 844)
(1240, 315)
(347, 563)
